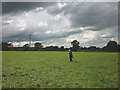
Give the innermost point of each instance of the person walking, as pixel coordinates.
(70, 56)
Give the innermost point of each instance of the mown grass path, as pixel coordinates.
(50, 69)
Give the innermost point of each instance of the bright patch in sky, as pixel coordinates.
(61, 5)
(43, 24)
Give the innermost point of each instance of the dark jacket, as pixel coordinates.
(70, 55)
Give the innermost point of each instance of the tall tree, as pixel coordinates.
(38, 45)
(75, 44)
(112, 46)
(6, 46)
(26, 47)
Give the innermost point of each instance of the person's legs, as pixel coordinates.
(70, 59)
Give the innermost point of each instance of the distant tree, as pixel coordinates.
(55, 48)
(26, 47)
(52, 48)
(93, 48)
(112, 46)
(85, 48)
(6, 46)
(0, 46)
(119, 48)
(38, 46)
(62, 48)
(75, 44)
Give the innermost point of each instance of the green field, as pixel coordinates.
(50, 69)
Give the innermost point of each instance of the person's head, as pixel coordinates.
(69, 50)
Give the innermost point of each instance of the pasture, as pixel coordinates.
(52, 69)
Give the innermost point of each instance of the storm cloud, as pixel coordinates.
(15, 7)
(59, 23)
(100, 15)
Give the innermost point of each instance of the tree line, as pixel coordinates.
(111, 46)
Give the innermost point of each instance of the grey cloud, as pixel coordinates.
(97, 15)
(98, 41)
(57, 42)
(100, 15)
(39, 36)
(45, 36)
(15, 7)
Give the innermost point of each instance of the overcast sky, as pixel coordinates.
(92, 24)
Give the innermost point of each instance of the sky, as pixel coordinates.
(58, 24)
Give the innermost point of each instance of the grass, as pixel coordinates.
(50, 69)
